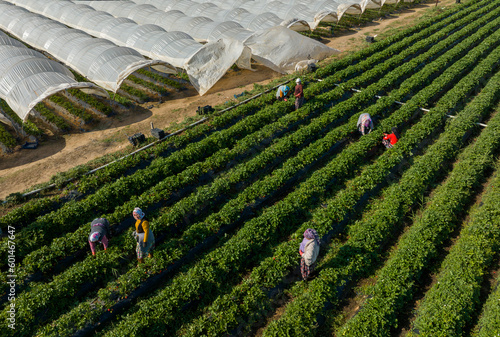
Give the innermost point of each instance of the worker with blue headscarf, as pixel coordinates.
(283, 93)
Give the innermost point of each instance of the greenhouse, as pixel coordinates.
(27, 77)
(274, 47)
(205, 64)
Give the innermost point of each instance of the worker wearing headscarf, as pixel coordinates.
(99, 232)
(299, 94)
(283, 93)
(309, 250)
(143, 234)
(365, 123)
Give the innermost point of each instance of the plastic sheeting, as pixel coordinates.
(311, 11)
(284, 10)
(201, 28)
(99, 60)
(210, 10)
(205, 64)
(341, 7)
(28, 77)
(285, 48)
(276, 47)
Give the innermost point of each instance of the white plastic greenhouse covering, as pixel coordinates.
(275, 47)
(339, 6)
(253, 22)
(204, 64)
(99, 60)
(311, 11)
(28, 77)
(202, 29)
(283, 10)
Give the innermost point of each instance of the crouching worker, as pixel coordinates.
(283, 93)
(309, 250)
(143, 235)
(99, 232)
(391, 138)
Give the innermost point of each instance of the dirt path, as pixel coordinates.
(25, 168)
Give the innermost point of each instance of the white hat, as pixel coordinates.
(297, 80)
(95, 236)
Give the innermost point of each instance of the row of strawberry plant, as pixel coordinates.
(357, 189)
(489, 324)
(371, 233)
(120, 168)
(6, 138)
(160, 78)
(135, 94)
(25, 214)
(92, 101)
(156, 88)
(421, 243)
(128, 165)
(27, 126)
(451, 304)
(52, 117)
(71, 108)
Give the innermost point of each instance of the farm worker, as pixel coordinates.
(365, 123)
(143, 235)
(299, 94)
(99, 232)
(283, 93)
(309, 250)
(391, 138)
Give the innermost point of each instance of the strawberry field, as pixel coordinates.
(410, 235)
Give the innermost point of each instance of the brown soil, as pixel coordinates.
(25, 168)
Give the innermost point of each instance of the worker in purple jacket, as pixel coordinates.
(99, 232)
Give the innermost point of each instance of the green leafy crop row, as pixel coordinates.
(454, 300)
(367, 236)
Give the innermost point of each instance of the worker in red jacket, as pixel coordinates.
(299, 94)
(391, 138)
